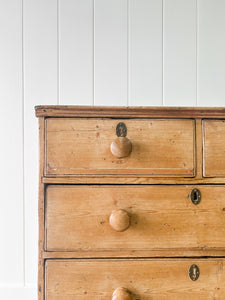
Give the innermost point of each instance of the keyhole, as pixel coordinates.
(194, 272)
(195, 196)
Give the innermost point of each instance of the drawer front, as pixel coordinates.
(133, 218)
(83, 146)
(134, 279)
(214, 148)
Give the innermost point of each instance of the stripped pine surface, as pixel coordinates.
(161, 217)
(214, 148)
(158, 279)
(82, 146)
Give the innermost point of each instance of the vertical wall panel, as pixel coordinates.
(21, 293)
(179, 55)
(40, 87)
(211, 54)
(11, 158)
(145, 53)
(76, 52)
(110, 52)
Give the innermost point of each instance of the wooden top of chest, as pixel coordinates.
(130, 112)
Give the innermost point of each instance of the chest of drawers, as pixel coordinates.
(131, 203)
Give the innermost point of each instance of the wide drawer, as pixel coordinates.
(214, 148)
(158, 147)
(90, 217)
(135, 279)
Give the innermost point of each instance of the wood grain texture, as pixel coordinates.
(41, 210)
(82, 146)
(129, 179)
(214, 148)
(199, 150)
(129, 112)
(161, 217)
(161, 221)
(146, 279)
(160, 253)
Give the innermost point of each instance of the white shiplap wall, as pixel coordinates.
(91, 52)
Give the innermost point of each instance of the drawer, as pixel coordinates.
(135, 279)
(154, 147)
(134, 217)
(214, 148)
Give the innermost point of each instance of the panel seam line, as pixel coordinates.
(23, 140)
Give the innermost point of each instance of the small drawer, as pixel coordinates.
(152, 147)
(127, 217)
(135, 279)
(214, 148)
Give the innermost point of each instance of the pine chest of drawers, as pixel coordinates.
(131, 203)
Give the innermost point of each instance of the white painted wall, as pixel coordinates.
(91, 52)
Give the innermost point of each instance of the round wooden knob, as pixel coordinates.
(121, 147)
(119, 220)
(121, 294)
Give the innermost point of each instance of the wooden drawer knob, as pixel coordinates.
(119, 220)
(121, 294)
(122, 146)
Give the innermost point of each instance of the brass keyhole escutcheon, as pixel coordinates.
(195, 196)
(194, 272)
(121, 130)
